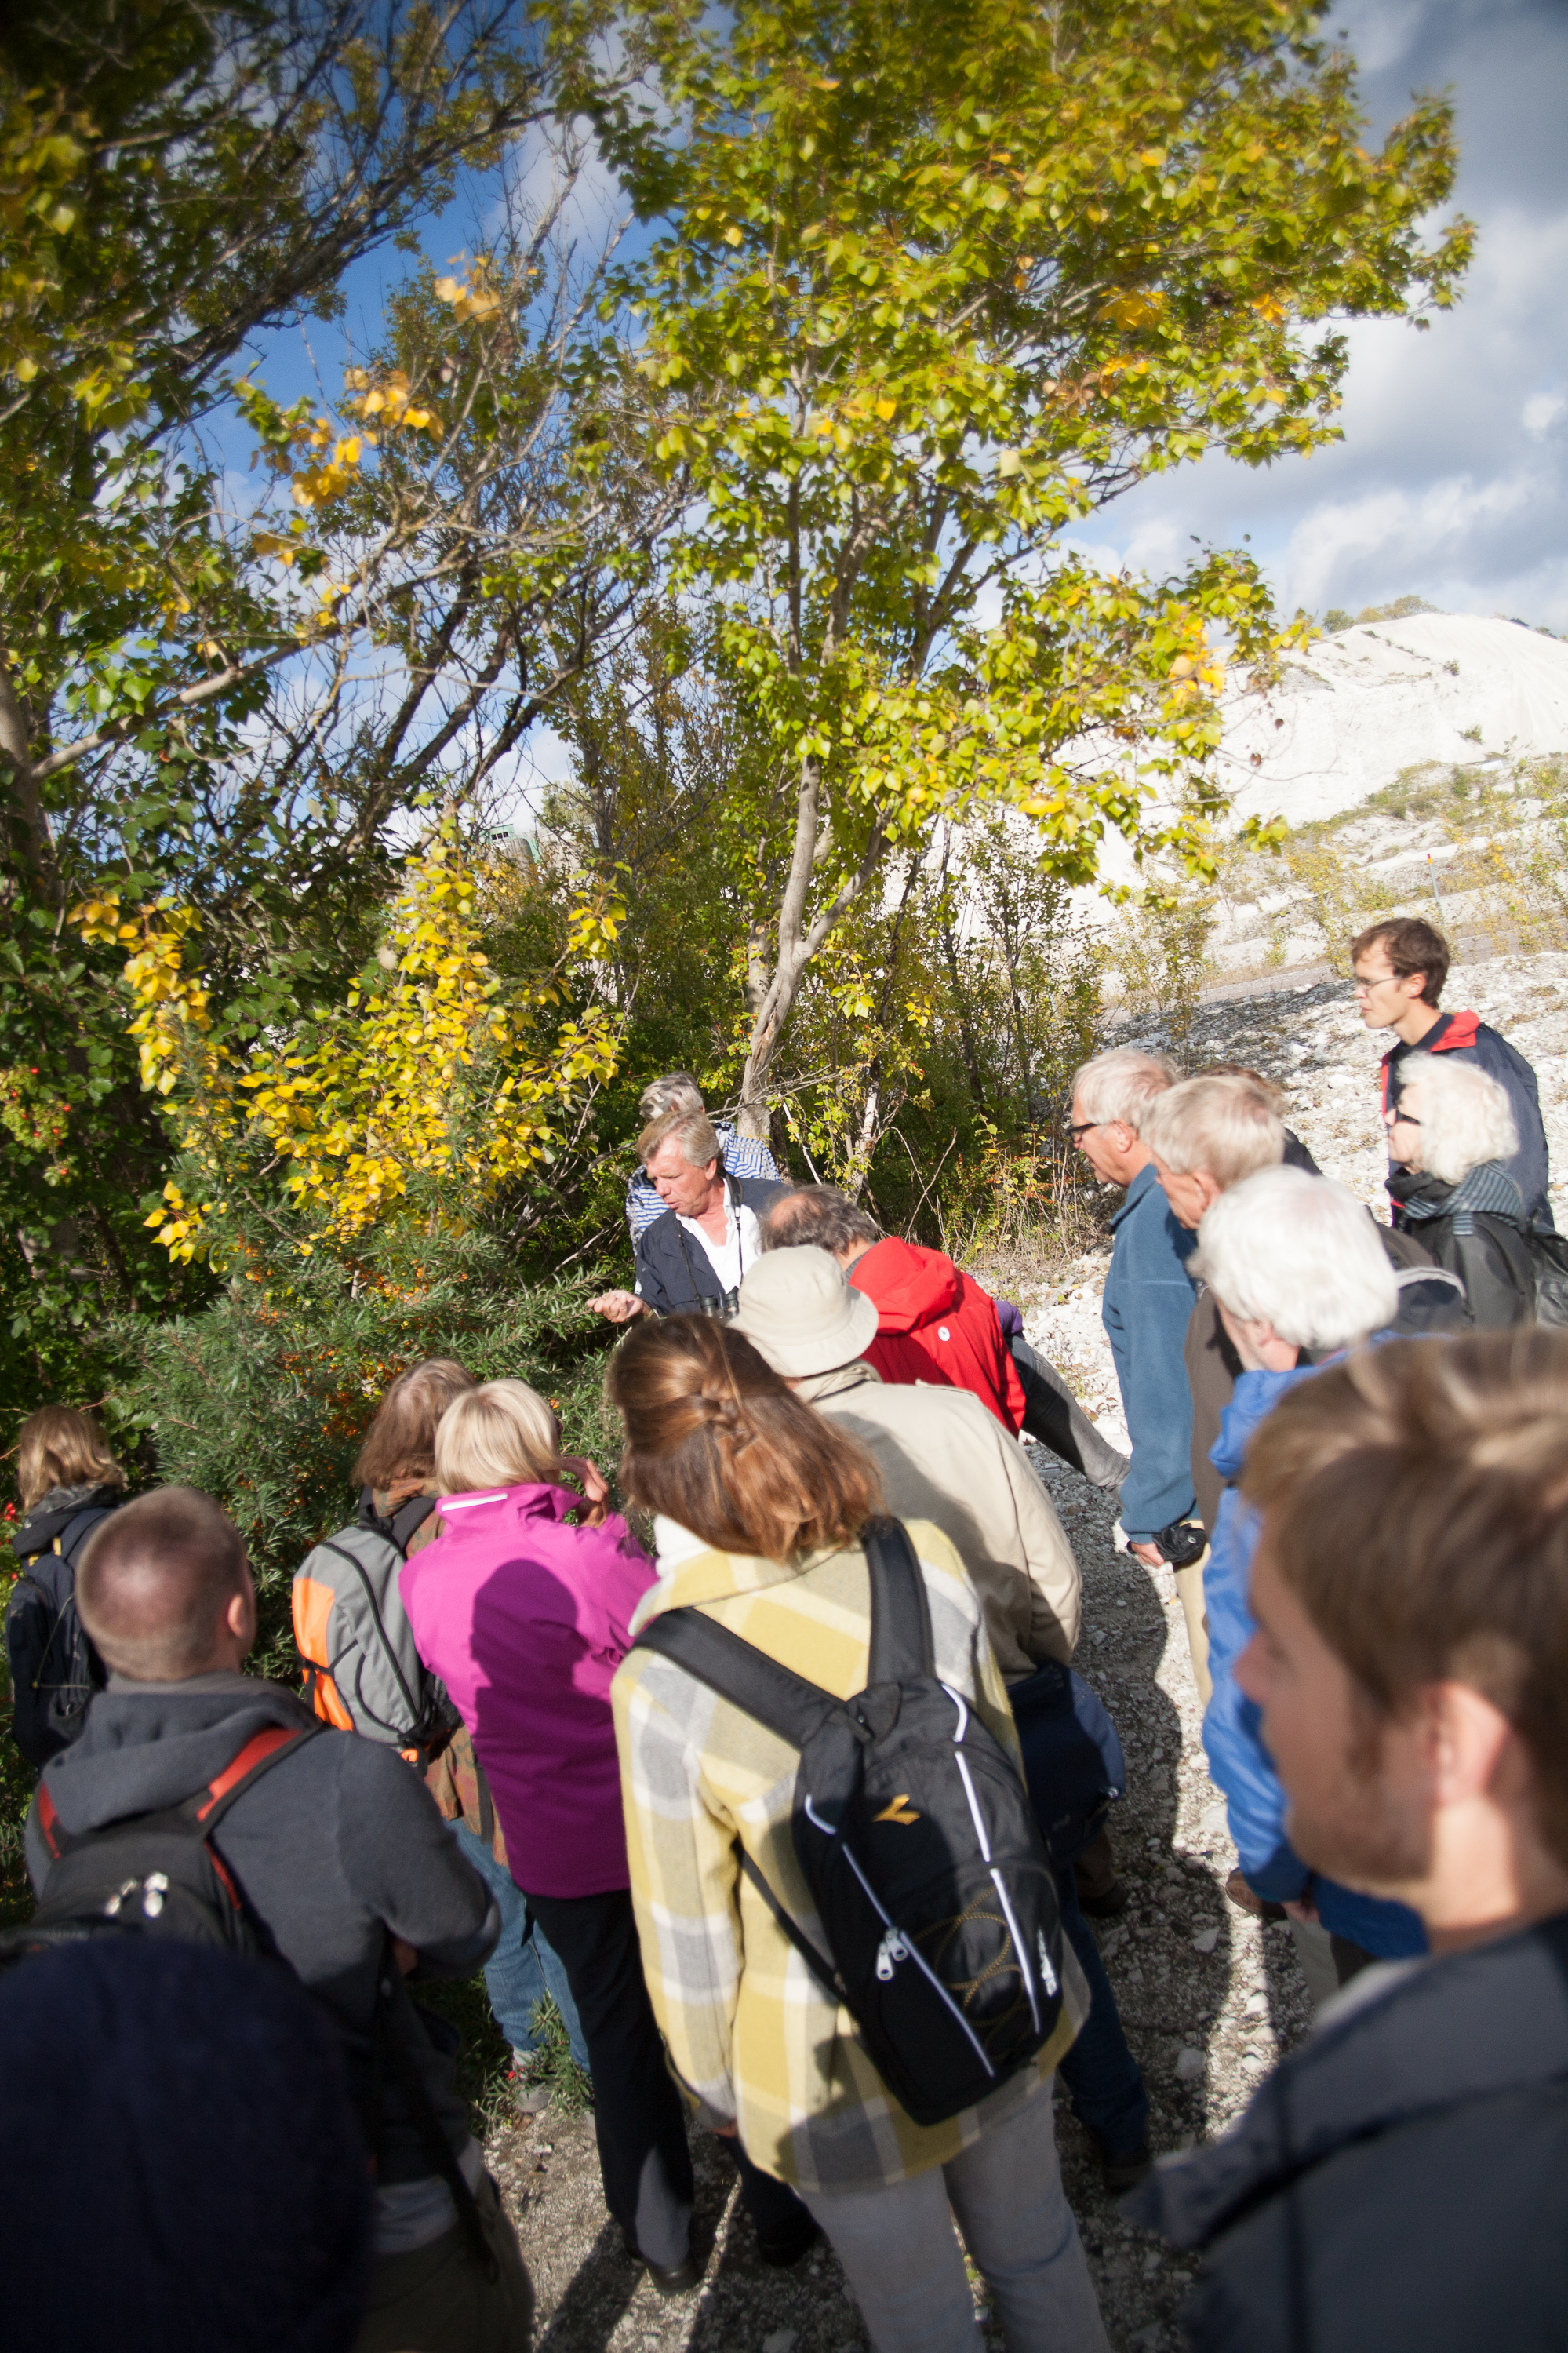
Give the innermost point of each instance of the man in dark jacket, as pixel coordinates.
(692, 1258)
(338, 1853)
(1397, 2182)
(1400, 967)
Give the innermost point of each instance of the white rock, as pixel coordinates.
(1189, 2064)
(1205, 1940)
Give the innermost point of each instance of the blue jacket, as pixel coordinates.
(1148, 1298)
(1240, 1763)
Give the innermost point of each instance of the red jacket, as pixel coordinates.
(935, 1324)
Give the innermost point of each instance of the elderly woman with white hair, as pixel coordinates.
(1300, 1275)
(1448, 1137)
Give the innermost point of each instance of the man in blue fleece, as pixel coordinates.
(1298, 1274)
(1148, 1300)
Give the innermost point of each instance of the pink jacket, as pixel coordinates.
(523, 1617)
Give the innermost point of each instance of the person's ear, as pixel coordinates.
(1465, 1742)
(1210, 1191)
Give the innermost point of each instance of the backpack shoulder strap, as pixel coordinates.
(70, 1539)
(740, 1672)
(261, 1752)
(207, 1807)
(901, 1646)
(330, 1544)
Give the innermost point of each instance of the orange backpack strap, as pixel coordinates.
(258, 1750)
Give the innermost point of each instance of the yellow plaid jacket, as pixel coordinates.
(751, 2033)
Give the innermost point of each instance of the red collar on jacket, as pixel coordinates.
(1453, 1030)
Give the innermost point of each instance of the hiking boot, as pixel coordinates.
(783, 2251)
(669, 2279)
(531, 2094)
(1125, 2168)
(1107, 1904)
(1247, 1900)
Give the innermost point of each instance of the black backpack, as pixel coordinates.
(1549, 1258)
(155, 1874)
(917, 1840)
(53, 1666)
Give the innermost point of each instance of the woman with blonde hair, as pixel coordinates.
(68, 1482)
(759, 1501)
(523, 1605)
(1450, 1135)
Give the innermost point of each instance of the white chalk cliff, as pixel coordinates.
(1355, 709)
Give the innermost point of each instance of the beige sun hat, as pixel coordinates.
(798, 1310)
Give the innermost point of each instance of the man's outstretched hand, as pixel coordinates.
(618, 1306)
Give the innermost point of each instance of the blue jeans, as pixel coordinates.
(523, 1967)
(1102, 2077)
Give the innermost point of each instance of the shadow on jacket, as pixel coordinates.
(1147, 1303)
(936, 1323)
(1233, 1737)
(54, 1667)
(1397, 2181)
(1476, 1230)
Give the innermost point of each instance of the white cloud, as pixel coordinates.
(1541, 413)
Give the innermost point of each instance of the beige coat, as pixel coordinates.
(944, 1459)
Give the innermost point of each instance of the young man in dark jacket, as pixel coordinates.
(338, 1853)
(1400, 967)
(1398, 2182)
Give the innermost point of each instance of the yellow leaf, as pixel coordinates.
(734, 235)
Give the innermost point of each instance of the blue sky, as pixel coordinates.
(1452, 480)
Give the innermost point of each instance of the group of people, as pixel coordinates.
(504, 1756)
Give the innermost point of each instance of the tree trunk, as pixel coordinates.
(30, 825)
(798, 943)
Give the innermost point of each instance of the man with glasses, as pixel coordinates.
(1400, 966)
(1148, 1300)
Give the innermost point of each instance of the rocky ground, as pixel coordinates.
(1208, 1995)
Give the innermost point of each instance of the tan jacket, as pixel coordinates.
(944, 1459)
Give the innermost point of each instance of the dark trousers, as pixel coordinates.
(1104, 2084)
(638, 2114)
(1053, 1415)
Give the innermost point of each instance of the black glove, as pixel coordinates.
(1183, 1542)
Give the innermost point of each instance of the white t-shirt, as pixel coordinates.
(740, 1248)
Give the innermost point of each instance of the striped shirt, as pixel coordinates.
(743, 1156)
(751, 2033)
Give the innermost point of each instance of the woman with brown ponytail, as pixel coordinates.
(758, 1503)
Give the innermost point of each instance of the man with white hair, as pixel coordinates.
(1296, 1266)
(1207, 1134)
(1147, 1299)
(943, 1457)
(690, 1261)
(1451, 1136)
(743, 1156)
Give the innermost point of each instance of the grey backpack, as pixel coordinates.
(363, 1671)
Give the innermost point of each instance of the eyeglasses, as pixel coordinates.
(1081, 1127)
(1397, 1118)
